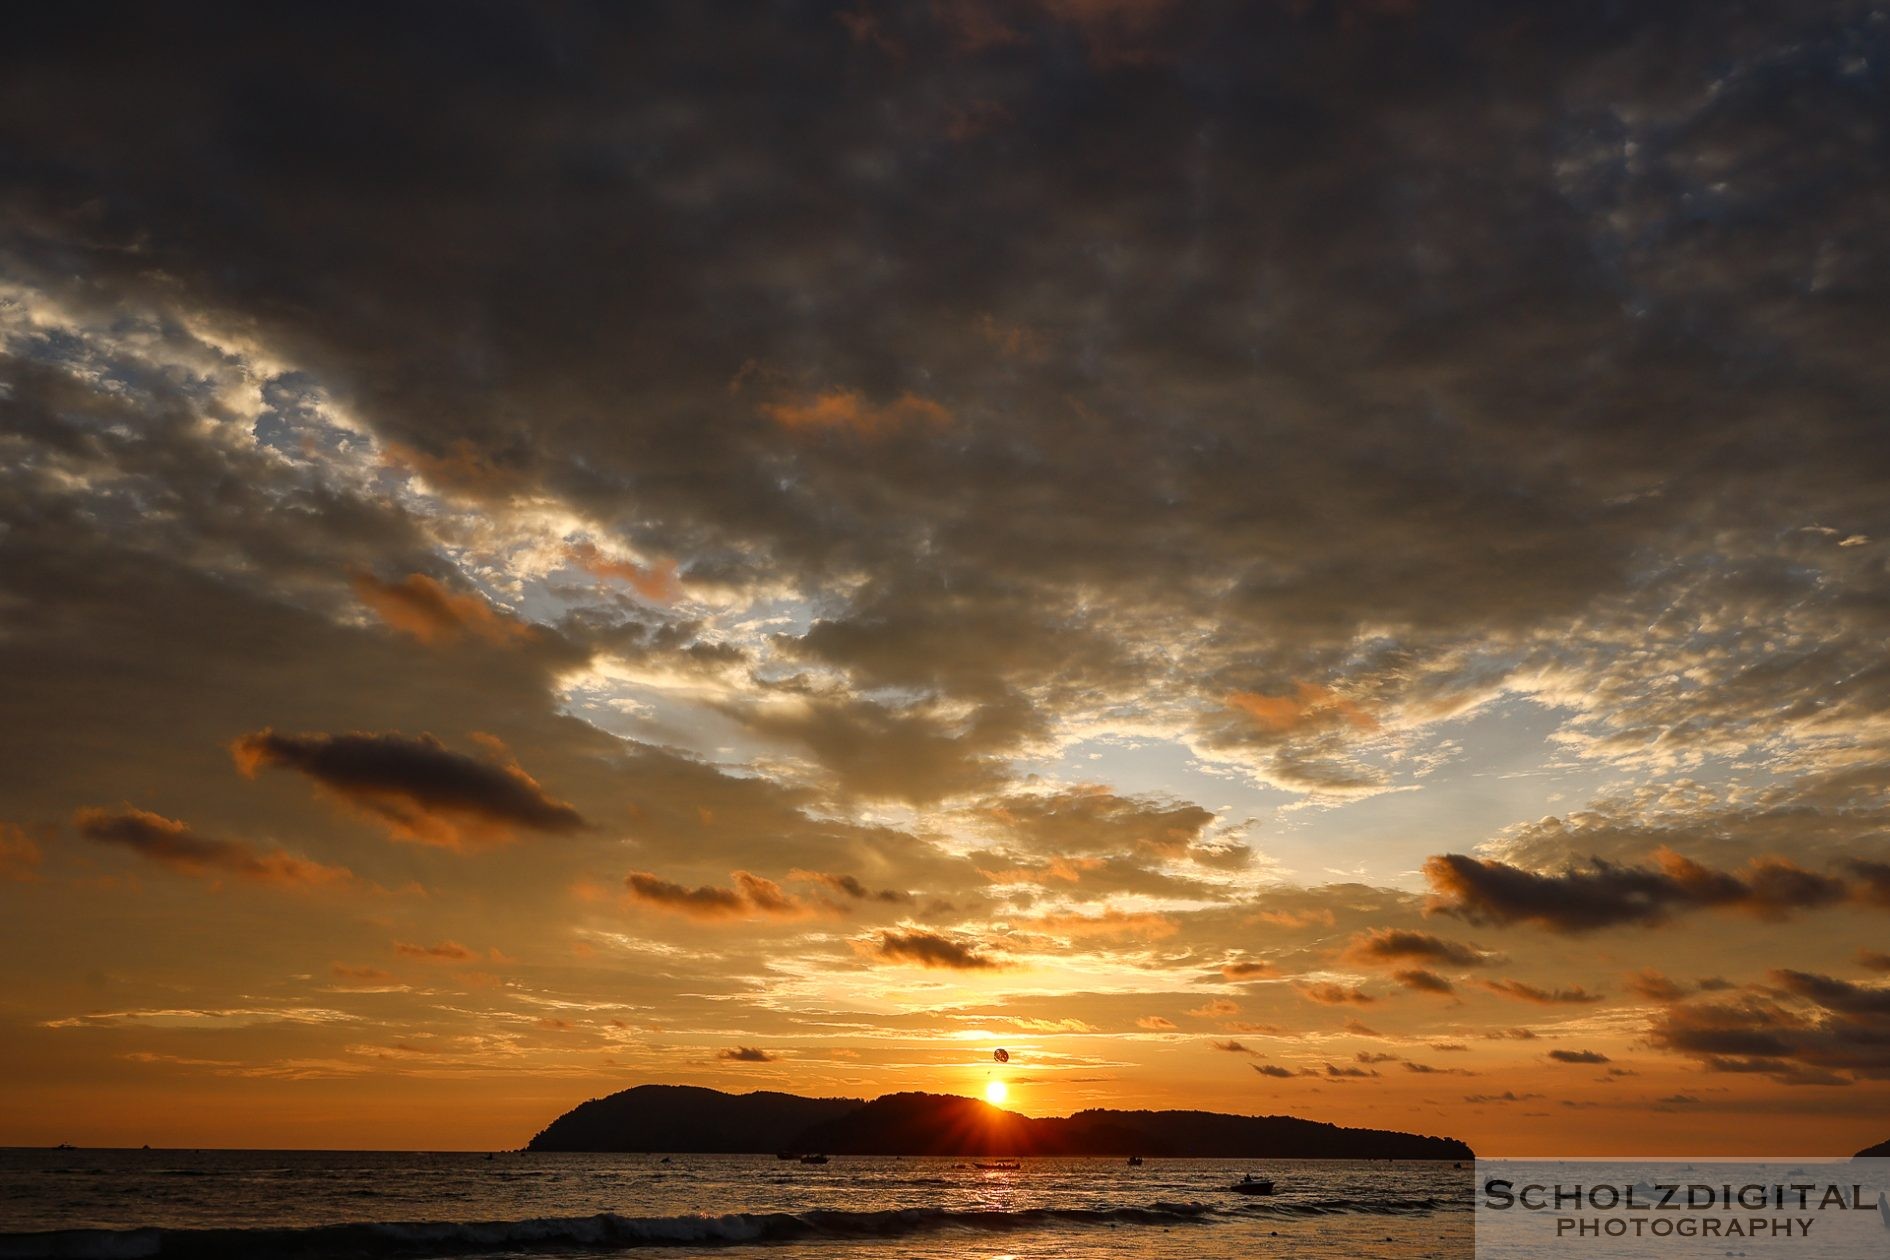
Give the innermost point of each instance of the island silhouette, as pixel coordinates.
(695, 1120)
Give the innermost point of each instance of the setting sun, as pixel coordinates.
(995, 1092)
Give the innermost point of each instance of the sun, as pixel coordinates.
(995, 1092)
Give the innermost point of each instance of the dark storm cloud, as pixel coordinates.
(1608, 895)
(1427, 306)
(176, 845)
(420, 789)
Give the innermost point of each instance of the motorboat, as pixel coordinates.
(813, 1159)
(1251, 1184)
(1135, 1161)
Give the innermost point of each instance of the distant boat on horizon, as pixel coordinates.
(1251, 1184)
(1003, 1165)
(1135, 1161)
(813, 1159)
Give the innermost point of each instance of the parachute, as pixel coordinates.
(1002, 1056)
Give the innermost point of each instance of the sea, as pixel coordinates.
(80, 1204)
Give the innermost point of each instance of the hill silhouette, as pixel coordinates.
(1879, 1151)
(690, 1119)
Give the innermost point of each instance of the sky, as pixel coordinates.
(1316, 557)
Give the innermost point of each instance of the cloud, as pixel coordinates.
(657, 583)
(176, 845)
(1215, 1008)
(416, 787)
(1139, 925)
(1608, 895)
(1249, 969)
(1334, 1070)
(1270, 1069)
(1231, 1047)
(1091, 820)
(1422, 981)
(746, 1054)
(929, 949)
(19, 856)
(1426, 1069)
(849, 411)
(1803, 1028)
(850, 886)
(423, 608)
(751, 897)
(1873, 960)
(1654, 986)
(444, 951)
(1395, 945)
(1309, 704)
(1329, 994)
(1578, 1056)
(1574, 996)
(361, 975)
(1156, 1023)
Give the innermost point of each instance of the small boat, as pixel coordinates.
(1251, 1184)
(1135, 1161)
(813, 1159)
(1003, 1165)
(65, 1146)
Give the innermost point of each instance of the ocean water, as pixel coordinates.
(310, 1204)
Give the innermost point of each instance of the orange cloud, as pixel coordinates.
(1249, 969)
(1521, 992)
(445, 951)
(416, 787)
(657, 583)
(1156, 1023)
(421, 607)
(751, 897)
(849, 410)
(19, 856)
(1334, 994)
(1294, 918)
(361, 975)
(1147, 925)
(175, 845)
(1218, 1008)
(1309, 705)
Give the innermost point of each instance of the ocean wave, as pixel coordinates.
(1339, 1207)
(602, 1232)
